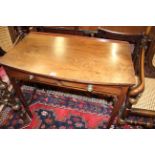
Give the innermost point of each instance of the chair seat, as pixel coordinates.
(147, 99)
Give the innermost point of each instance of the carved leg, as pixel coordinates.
(117, 107)
(20, 96)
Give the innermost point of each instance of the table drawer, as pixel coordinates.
(19, 75)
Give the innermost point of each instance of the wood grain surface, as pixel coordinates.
(73, 58)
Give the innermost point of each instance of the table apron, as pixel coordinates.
(101, 89)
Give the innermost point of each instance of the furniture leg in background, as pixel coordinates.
(19, 94)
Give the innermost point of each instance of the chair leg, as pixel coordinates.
(127, 110)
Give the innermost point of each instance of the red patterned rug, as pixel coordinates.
(52, 109)
(64, 118)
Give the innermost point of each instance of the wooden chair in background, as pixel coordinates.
(131, 34)
(150, 56)
(145, 105)
(139, 101)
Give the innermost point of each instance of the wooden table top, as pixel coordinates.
(73, 58)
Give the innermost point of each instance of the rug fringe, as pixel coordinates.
(84, 98)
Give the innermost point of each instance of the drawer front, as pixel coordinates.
(19, 75)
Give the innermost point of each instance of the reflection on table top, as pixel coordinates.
(75, 58)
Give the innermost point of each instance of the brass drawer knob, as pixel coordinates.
(31, 77)
(90, 88)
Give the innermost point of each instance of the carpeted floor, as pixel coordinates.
(54, 109)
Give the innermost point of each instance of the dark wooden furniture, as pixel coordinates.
(144, 44)
(2, 52)
(149, 62)
(135, 92)
(87, 64)
(74, 30)
(149, 73)
(131, 34)
(91, 30)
